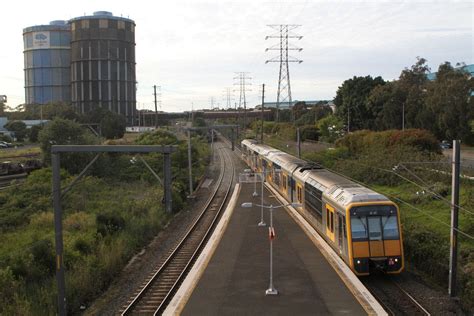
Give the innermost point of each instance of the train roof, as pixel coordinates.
(286, 161)
(335, 187)
(340, 189)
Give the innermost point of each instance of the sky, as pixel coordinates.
(193, 49)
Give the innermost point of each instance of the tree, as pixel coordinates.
(66, 132)
(34, 132)
(351, 98)
(330, 128)
(314, 114)
(18, 127)
(412, 84)
(298, 110)
(386, 106)
(449, 100)
(61, 110)
(112, 125)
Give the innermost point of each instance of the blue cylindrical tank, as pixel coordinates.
(47, 53)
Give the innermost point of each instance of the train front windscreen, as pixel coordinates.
(375, 237)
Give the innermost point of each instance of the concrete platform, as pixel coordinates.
(237, 275)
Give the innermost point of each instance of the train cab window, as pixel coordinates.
(359, 228)
(375, 228)
(390, 227)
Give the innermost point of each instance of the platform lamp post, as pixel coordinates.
(249, 171)
(271, 234)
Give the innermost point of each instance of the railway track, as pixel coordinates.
(394, 299)
(153, 298)
(6, 181)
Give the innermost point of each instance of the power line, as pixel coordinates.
(399, 199)
(284, 86)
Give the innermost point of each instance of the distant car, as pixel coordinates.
(445, 145)
(4, 144)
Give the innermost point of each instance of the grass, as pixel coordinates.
(19, 151)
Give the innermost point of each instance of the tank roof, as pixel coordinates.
(47, 27)
(101, 15)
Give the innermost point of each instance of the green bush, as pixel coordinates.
(365, 141)
(108, 223)
(309, 133)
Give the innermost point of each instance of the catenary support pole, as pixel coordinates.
(156, 108)
(453, 258)
(232, 138)
(263, 102)
(298, 140)
(167, 180)
(190, 165)
(58, 229)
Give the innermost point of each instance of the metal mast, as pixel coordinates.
(242, 77)
(228, 97)
(284, 86)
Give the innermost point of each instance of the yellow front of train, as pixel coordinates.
(375, 238)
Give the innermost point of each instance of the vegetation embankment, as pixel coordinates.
(108, 216)
(405, 165)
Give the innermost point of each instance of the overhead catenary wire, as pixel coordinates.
(399, 199)
(416, 184)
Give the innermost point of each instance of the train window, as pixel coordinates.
(390, 227)
(313, 201)
(299, 194)
(359, 228)
(327, 218)
(284, 182)
(331, 214)
(375, 228)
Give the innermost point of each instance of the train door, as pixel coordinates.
(375, 236)
(330, 222)
(292, 189)
(284, 185)
(288, 188)
(340, 233)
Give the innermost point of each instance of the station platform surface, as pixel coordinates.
(237, 275)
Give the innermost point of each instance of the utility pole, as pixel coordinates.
(284, 86)
(453, 251)
(403, 116)
(298, 140)
(348, 120)
(156, 106)
(243, 76)
(263, 102)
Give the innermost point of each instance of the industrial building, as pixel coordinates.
(88, 62)
(47, 63)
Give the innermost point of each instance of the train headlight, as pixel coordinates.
(396, 259)
(358, 261)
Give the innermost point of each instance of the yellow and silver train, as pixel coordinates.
(361, 225)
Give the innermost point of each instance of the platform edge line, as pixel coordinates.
(177, 304)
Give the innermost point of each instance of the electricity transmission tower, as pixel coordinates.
(156, 103)
(284, 86)
(228, 96)
(242, 77)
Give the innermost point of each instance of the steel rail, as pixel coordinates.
(181, 245)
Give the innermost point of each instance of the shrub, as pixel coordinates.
(109, 223)
(309, 133)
